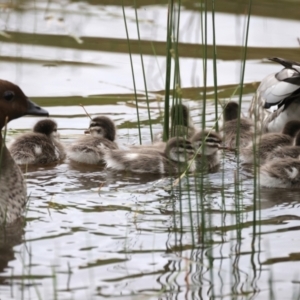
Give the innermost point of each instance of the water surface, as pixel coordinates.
(90, 233)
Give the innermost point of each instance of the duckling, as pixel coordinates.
(284, 173)
(90, 148)
(181, 123)
(177, 155)
(13, 193)
(268, 142)
(212, 142)
(41, 146)
(229, 128)
(286, 151)
(281, 90)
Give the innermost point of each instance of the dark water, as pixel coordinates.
(90, 233)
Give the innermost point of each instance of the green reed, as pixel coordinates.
(143, 69)
(132, 72)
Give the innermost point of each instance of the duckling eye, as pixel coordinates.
(8, 95)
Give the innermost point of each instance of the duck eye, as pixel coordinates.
(8, 95)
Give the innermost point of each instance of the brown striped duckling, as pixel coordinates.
(208, 156)
(284, 173)
(13, 193)
(231, 125)
(175, 158)
(268, 142)
(181, 123)
(286, 151)
(89, 149)
(41, 146)
(277, 98)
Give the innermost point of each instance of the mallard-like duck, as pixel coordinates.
(286, 151)
(231, 125)
(208, 156)
(175, 158)
(181, 123)
(89, 149)
(13, 193)
(41, 146)
(284, 173)
(277, 99)
(268, 142)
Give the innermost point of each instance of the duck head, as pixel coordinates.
(102, 127)
(209, 140)
(47, 127)
(179, 149)
(14, 103)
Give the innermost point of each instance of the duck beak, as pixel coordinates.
(35, 110)
(87, 131)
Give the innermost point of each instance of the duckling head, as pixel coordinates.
(15, 104)
(209, 140)
(179, 149)
(180, 115)
(102, 127)
(47, 127)
(231, 111)
(291, 128)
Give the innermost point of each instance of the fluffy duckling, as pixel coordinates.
(268, 142)
(286, 151)
(175, 158)
(181, 123)
(13, 193)
(41, 146)
(229, 128)
(281, 91)
(210, 141)
(284, 173)
(90, 148)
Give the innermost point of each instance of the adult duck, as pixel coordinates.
(277, 99)
(13, 193)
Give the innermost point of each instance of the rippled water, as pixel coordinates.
(90, 233)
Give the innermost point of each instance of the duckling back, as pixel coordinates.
(177, 153)
(284, 173)
(90, 148)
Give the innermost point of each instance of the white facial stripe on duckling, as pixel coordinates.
(132, 156)
(161, 167)
(97, 131)
(292, 173)
(37, 150)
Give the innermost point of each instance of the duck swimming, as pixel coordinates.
(13, 193)
(277, 99)
(175, 158)
(41, 146)
(268, 142)
(284, 173)
(208, 156)
(90, 148)
(231, 125)
(286, 151)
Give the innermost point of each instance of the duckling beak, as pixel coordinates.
(87, 131)
(35, 110)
